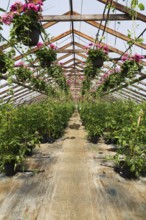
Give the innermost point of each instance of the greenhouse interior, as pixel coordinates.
(73, 110)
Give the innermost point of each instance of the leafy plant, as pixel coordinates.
(46, 55)
(25, 18)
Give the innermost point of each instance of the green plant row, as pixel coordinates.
(28, 125)
(120, 122)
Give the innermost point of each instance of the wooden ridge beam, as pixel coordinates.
(85, 17)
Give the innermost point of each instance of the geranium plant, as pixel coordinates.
(22, 72)
(25, 20)
(110, 80)
(131, 65)
(46, 55)
(2, 62)
(97, 54)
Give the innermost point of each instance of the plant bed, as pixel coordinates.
(110, 141)
(94, 139)
(47, 139)
(9, 168)
(29, 151)
(124, 170)
(51, 139)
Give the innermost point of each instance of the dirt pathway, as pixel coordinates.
(71, 198)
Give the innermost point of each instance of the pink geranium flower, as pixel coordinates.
(7, 18)
(39, 8)
(105, 48)
(52, 46)
(98, 45)
(40, 44)
(25, 7)
(87, 47)
(17, 6)
(137, 57)
(20, 63)
(32, 7)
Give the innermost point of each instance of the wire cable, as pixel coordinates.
(97, 34)
(80, 21)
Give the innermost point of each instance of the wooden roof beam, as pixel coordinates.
(83, 17)
(64, 56)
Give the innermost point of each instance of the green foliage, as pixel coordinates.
(90, 71)
(85, 86)
(23, 74)
(130, 68)
(123, 123)
(24, 126)
(95, 53)
(46, 56)
(56, 72)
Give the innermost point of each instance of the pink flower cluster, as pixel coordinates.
(136, 57)
(97, 46)
(52, 46)
(6, 18)
(20, 64)
(18, 7)
(68, 82)
(40, 44)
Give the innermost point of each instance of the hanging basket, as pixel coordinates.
(45, 63)
(28, 37)
(2, 64)
(9, 168)
(33, 37)
(97, 62)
